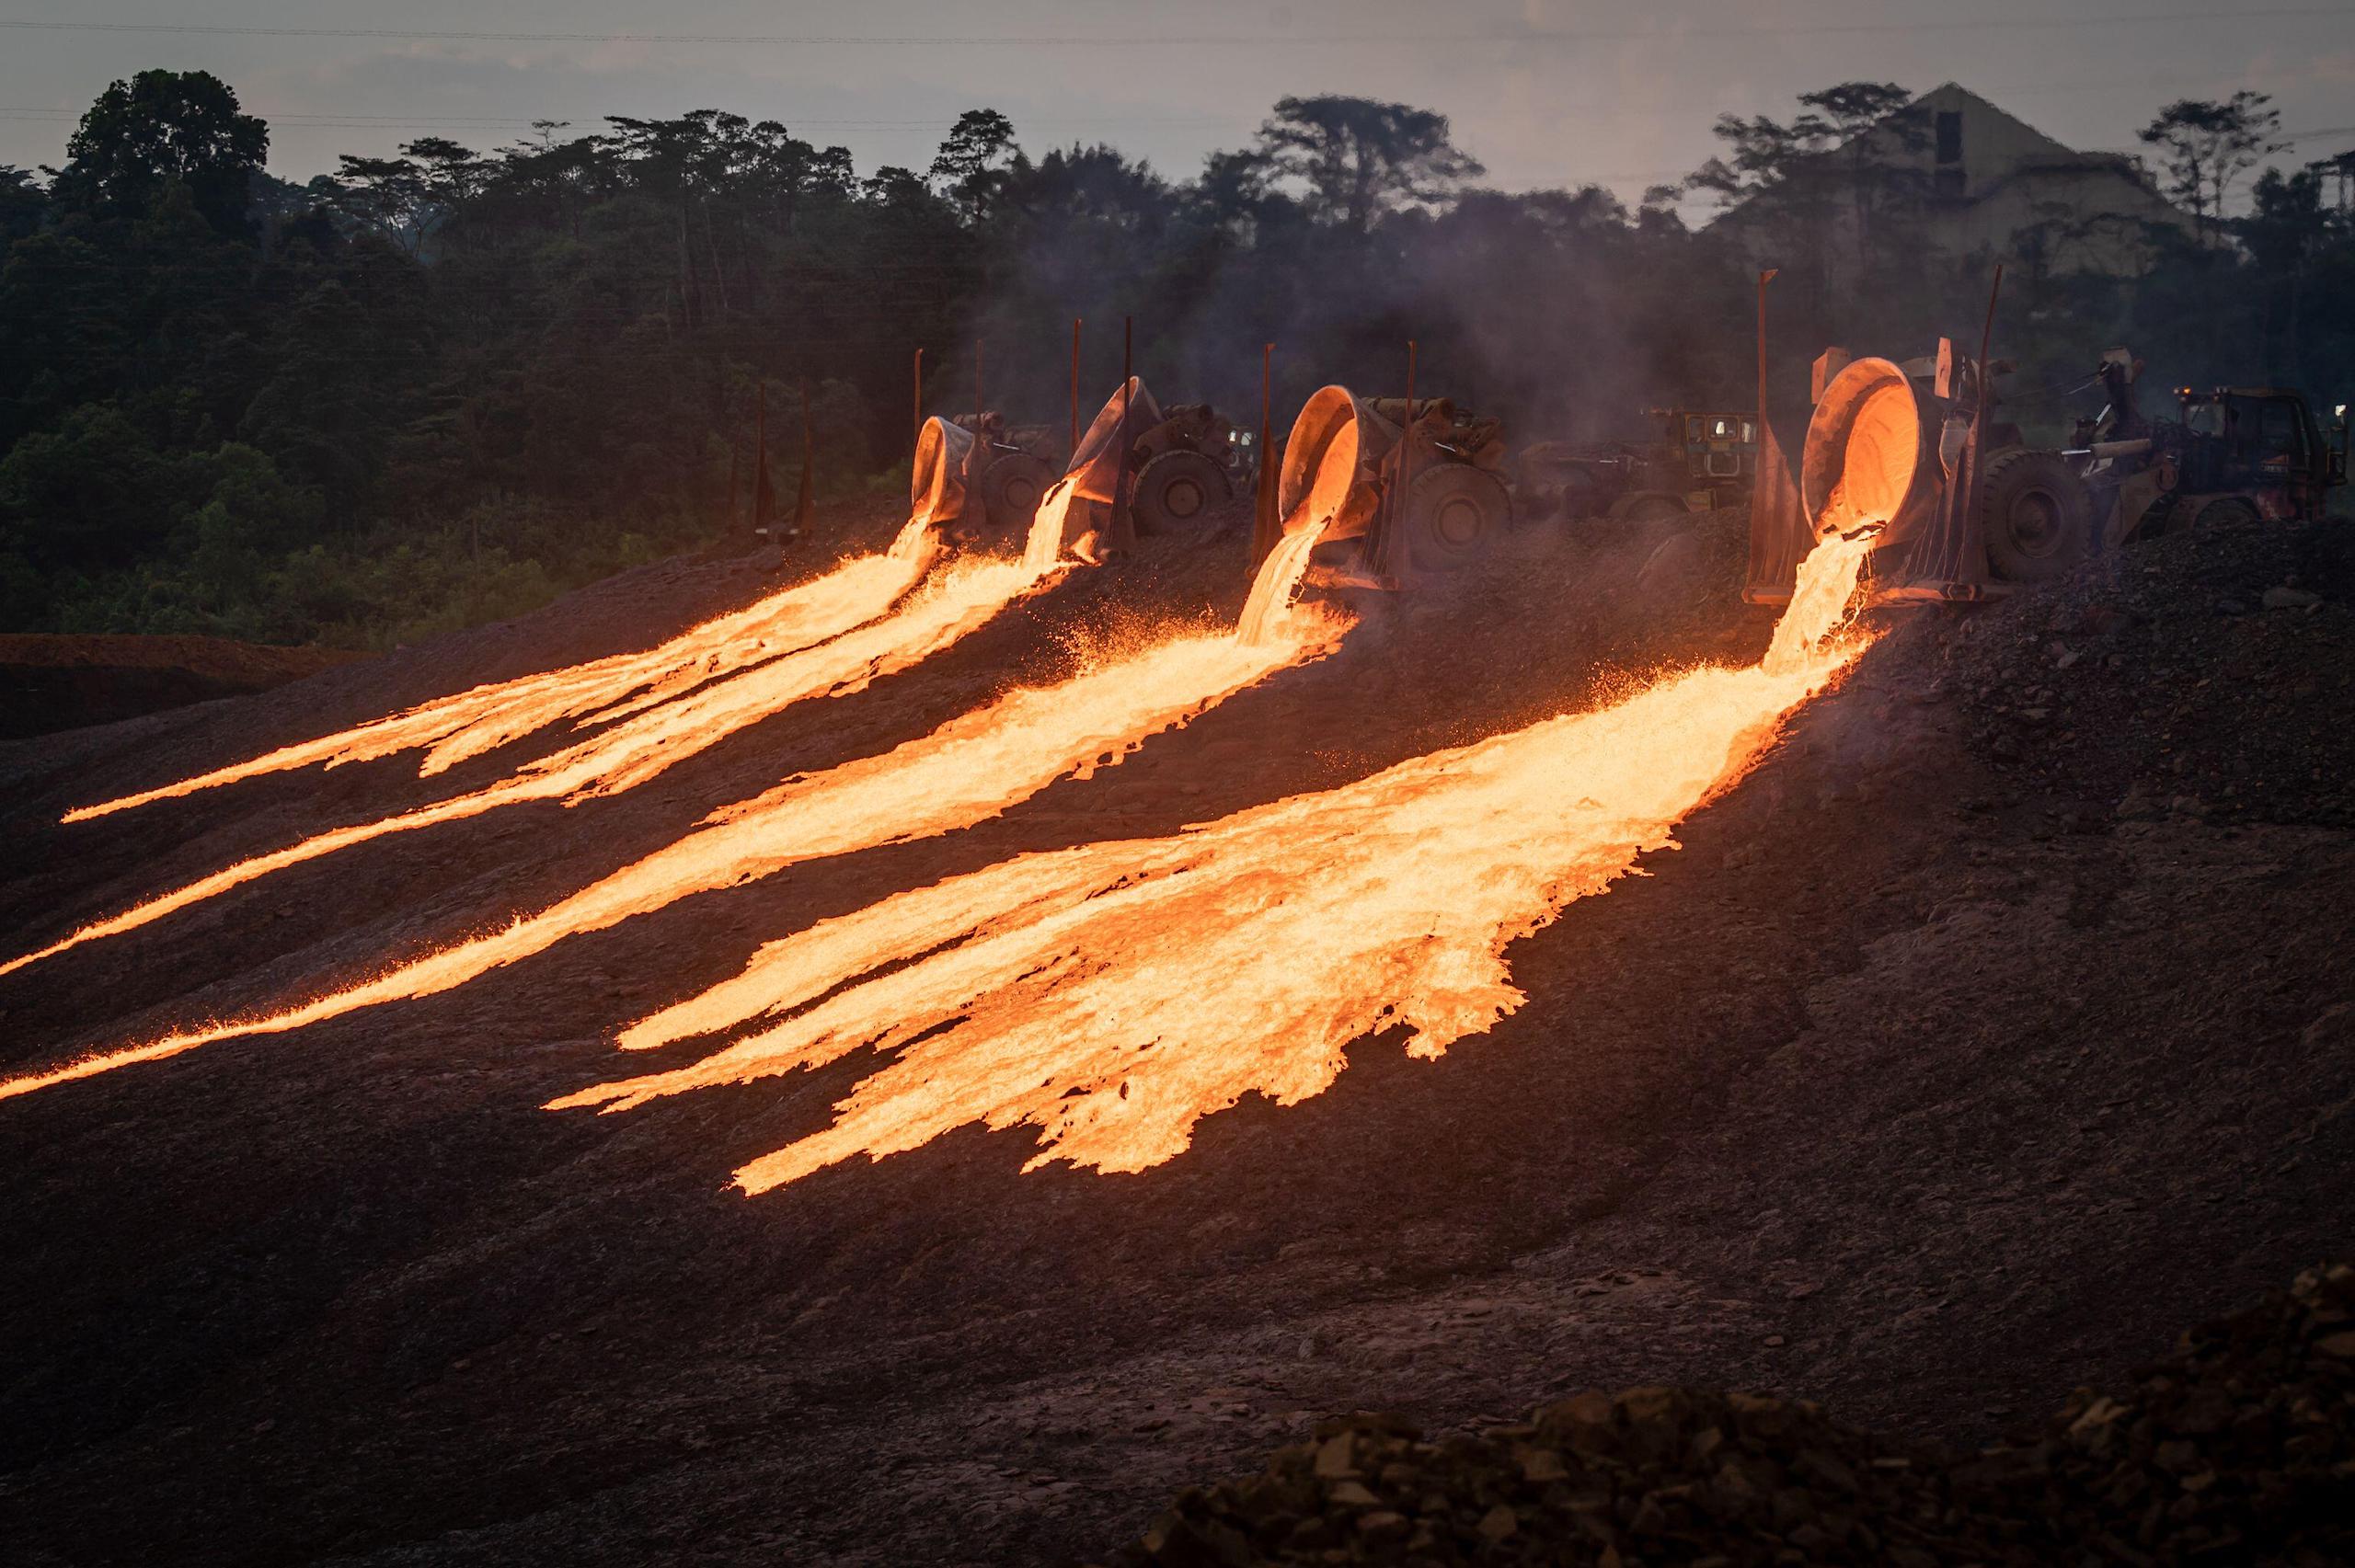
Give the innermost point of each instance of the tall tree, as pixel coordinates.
(970, 163)
(162, 128)
(2207, 144)
(1360, 159)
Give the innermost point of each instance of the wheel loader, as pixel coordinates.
(2233, 454)
(1963, 509)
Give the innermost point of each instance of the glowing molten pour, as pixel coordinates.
(970, 769)
(485, 717)
(652, 739)
(1114, 994)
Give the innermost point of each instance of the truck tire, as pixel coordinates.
(2035, 515)
(1454, 513)
(1176, 492)
(2231, 511)
(1011, 490)
(1648, 506)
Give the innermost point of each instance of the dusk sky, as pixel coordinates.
(1546, 92)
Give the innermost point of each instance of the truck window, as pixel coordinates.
(2277, 434)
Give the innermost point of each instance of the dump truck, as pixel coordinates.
(975, 480)
(1964, 509)
(1342, 478)
(1706, 460)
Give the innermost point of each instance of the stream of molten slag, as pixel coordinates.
(972, 768)
(1114, 994)
(637, 749)
(452, 729)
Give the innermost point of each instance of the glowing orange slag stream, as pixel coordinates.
(1112, 995)
(638, 749)
(453, 729)
(970, 769)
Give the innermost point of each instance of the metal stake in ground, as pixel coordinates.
(1266, 528)
(1124, 528)
(763, 495)
(1393, 552)
(1075, 386)
(918, 428)
(804, 498)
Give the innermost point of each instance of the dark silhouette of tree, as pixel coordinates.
(2206, 145)
(1359, 159)
(161, 128)
(968, 165)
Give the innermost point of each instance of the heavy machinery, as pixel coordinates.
(1706, 460)
(1185, 467)
(2233, 454)
(1964, 509)
(1341, 481)
(975, 480)
(1179, 466)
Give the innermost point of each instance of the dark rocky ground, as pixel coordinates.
(1997, 1027)
(2238, 1447)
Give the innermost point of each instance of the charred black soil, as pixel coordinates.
(1993, 1028)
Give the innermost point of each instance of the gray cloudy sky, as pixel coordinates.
(1547, 91)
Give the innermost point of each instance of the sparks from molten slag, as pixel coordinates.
(641, 747)
(452, 729)
(970, 769)
(1112, 995)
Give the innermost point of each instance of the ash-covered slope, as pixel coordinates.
(1921, 1078)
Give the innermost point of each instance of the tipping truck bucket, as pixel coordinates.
(1871, 457)
(1894, 449)
(967, 482)
(1338, 485)
(1077, 516)
(1340, 479)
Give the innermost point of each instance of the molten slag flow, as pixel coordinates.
(970, 769)
(1112, 995)
(455, 729)
(630, 752)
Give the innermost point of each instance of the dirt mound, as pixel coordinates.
(50, 682)
(2239, 1446)
(2192, 677)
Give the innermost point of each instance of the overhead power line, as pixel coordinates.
(1522, 37)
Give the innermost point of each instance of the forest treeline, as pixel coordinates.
(436, 388)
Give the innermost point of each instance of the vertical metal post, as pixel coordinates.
(917, 429)
(981, 403)
(1123, 523)
(805, 498)
(1074, 385)
(761, 455)
(1765, 278)
(1986, 393)
(1266, 528)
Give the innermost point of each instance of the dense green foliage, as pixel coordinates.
(437, 388)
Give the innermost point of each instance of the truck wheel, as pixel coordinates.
(1011, 488)
(2230, 513)
(1648, 506)
(1176, 492)
(2035, 514)
(1454, 511)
